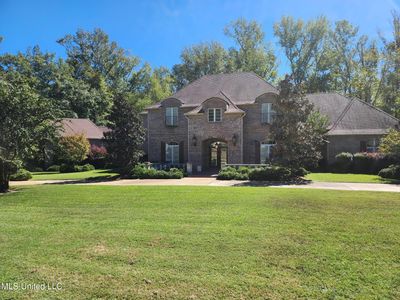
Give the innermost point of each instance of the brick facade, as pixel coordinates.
(240, 97)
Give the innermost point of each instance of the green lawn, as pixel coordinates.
(141, 242)
(336, 177)
(74, 175)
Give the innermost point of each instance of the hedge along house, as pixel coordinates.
(226, 118)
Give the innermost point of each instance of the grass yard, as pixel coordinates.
(74, 175)
(200, 242)
(337, 177)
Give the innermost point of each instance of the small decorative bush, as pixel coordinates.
(21, 175)
(97, 152)
(84, 168)
(392, 172)
(230, 173)
(390, 144)
(362, 163)
(143, 172)
(67, 168)
(299, 172)
(343, 162)
(37, 169)
(72, 149)
(53, 168)
(272, 173)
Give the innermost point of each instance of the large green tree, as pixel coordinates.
(200, 60)
(93, 56)
(252, 53)
(297, 129)
(303, 44)
(389, 87)
(27, 123)
(125, 140)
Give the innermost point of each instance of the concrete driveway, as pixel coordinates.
(212, 181)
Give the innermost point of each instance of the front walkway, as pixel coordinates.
(212, 181)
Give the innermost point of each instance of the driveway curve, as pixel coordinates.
(212, 181)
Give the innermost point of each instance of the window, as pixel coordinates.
(214, 115)
(171, 116)
(372, 145)
(172, 153)
(265, 151)
(267, 113)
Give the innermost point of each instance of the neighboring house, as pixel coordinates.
(226, 118)
(86, 127)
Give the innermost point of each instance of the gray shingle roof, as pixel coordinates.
(346, 115)
(331, 105)
(86, 127)
(244, 87)
(360, 117)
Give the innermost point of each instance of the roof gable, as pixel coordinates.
(362, 117)
(244, 86)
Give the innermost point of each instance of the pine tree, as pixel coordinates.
(126, 137)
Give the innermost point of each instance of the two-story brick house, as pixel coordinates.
(226, 118)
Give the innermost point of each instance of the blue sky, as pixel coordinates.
(157, 30)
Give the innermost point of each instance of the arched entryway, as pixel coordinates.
(215, 154)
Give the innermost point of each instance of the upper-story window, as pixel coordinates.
(214, 115)
(267, 113)
(171, 116)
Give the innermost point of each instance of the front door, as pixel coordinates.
(218, 155)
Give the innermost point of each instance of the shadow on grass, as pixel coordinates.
(389, 181)
(273, 183)
(96, 179)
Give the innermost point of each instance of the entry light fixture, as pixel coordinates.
(194, 140)
(234, 139)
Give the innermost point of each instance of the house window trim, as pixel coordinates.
(172, 108)
(176, 146)
(269, 113)
(270, 144)
(214, 115)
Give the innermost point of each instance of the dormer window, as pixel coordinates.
(214, 115)
(171, 116)
(267, 113)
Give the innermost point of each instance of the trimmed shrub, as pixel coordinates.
(67, 168)
(299, 172)
(37, 169)
(142, 172)
(85, 168)
(392, 172)
(244, 170)
(53, 168)
(362, 163)
(21, 175)
(273, 173)
(343, 162)
(230, 173)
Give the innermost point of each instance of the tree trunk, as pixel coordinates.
(4, 186)
(4, 176)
